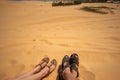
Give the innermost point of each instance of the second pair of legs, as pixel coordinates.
(69, 68)
(42, 70)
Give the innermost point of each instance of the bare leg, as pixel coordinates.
(44, 72)
(37, 69)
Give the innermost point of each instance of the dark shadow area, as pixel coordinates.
(99, 9)
(66, 3)
(15, 0)
(85, 74)
(59, 70)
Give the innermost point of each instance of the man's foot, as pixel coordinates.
(65, 66)
(74, 62)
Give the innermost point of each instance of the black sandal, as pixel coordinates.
(65, 59)
(74, 62)
(46, 59)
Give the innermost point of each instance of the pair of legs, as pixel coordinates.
(42, 70)
(69, 68)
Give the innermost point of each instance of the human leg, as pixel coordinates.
(44, 72)
(37, 69)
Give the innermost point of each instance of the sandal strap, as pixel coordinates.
(74, 59)
(73, 67)
(65, 59)
(53, 62)
(43, 60)
(39, 65)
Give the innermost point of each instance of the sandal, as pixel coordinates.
(46, 59)
(74, 62)
(53, 62)
(65, 60)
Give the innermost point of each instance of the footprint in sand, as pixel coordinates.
(114, 27)
(113, 38)
(17, 68)
(85, 74)
(64, 45)
(14, 70)
(13, 62)
(46, 41)
(34, 40)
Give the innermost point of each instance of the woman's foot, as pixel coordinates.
(45, 71)
(51, 67)
(37, 69)
(41, 65)
(74, 62)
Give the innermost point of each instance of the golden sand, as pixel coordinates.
(30, 31)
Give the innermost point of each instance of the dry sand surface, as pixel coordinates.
(31, 30)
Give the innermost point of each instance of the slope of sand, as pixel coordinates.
(30, 31)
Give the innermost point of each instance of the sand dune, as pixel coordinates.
(27, 29)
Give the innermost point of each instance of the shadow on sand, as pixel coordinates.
(99, 9)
